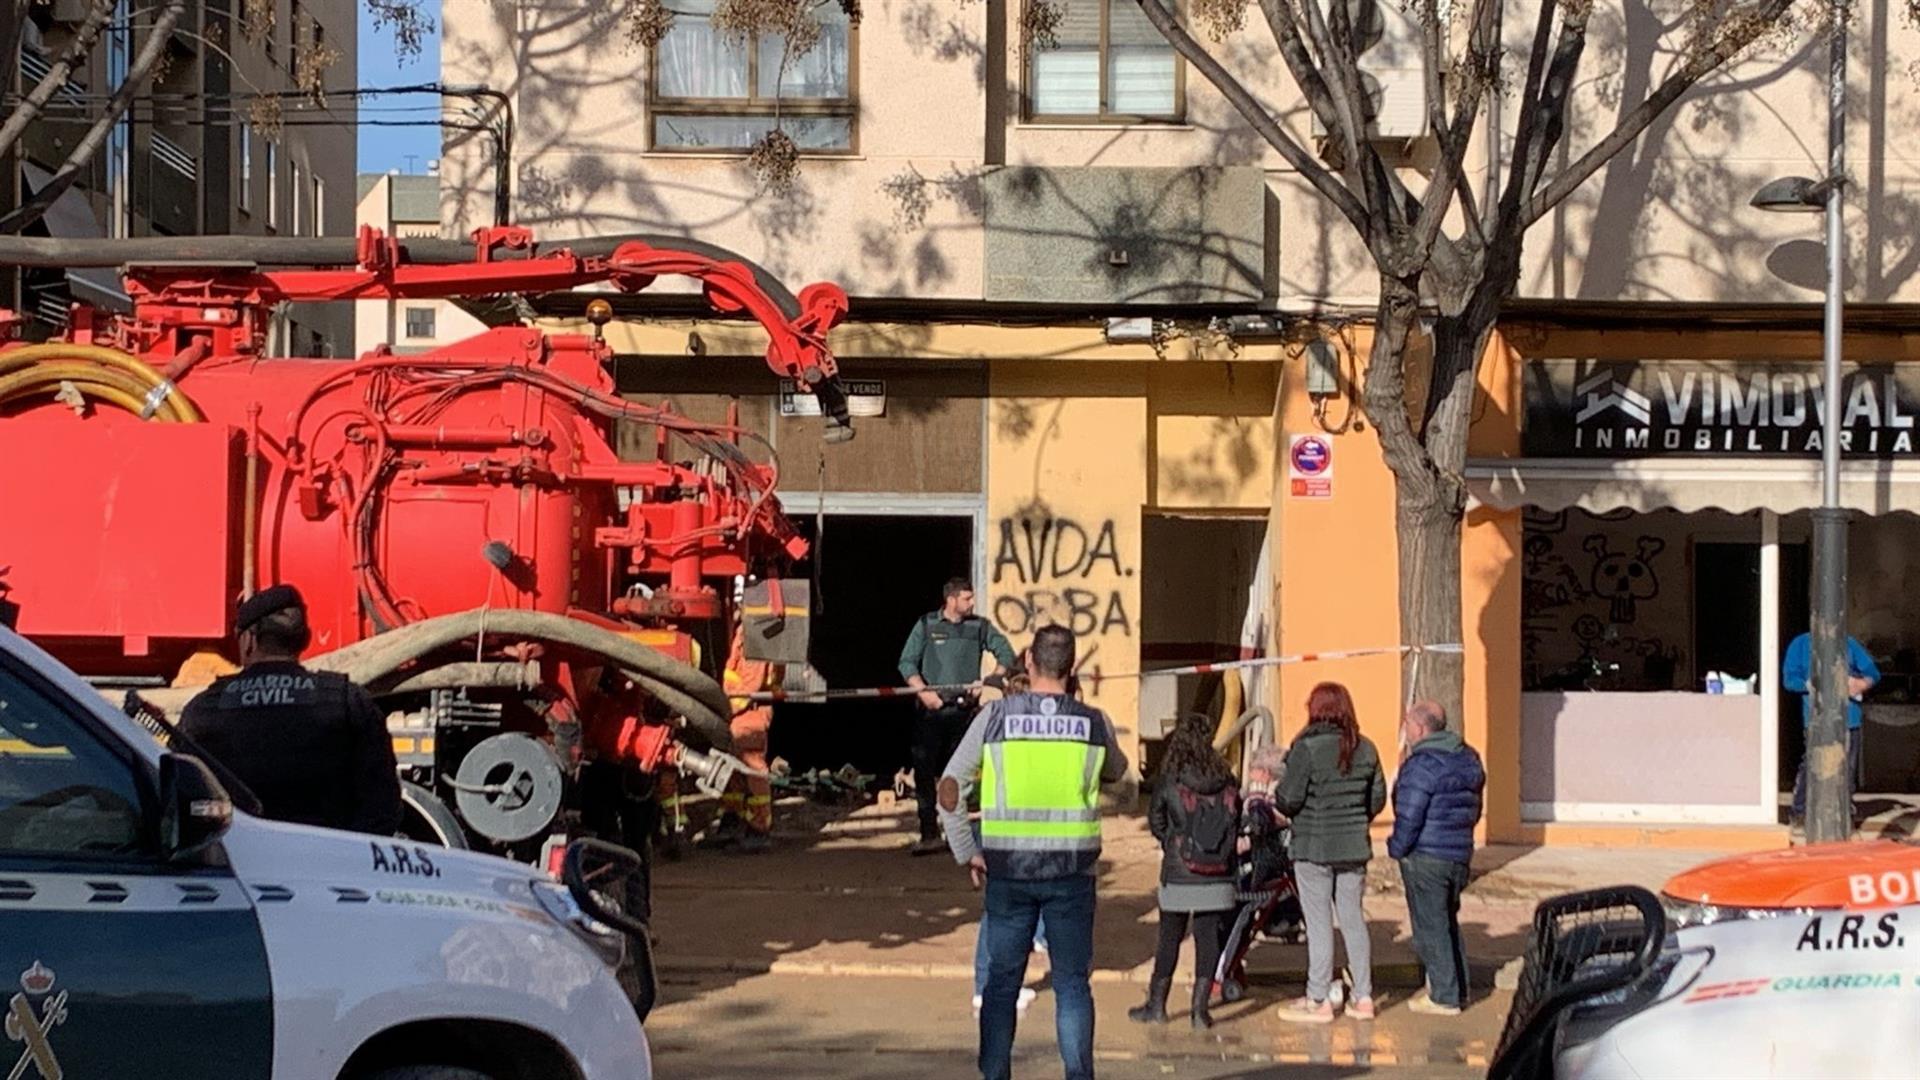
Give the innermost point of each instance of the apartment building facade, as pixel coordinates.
(198, 152)
(1110, 345)
(405, 206)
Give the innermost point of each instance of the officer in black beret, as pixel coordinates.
(311, 745)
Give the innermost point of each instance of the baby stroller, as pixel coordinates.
(1269, 907)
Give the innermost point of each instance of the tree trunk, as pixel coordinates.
(1429, 541)
(89, 144)
(1428, 462)
(63, 66)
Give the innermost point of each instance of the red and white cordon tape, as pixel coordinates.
(854, 693)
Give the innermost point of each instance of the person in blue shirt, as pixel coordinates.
(1862, 674)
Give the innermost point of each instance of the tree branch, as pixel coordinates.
(1556, 89)
(1256, 115)
(76, 51)
(1742, 33)
(1337, 69)
(1513, 195)
(1285, 26)
(89, 145)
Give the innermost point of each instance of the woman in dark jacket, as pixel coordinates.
(1195, 815)
(1333, 788)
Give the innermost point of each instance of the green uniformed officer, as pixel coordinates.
(944, 649)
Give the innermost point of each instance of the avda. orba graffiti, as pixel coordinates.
(1055, 570)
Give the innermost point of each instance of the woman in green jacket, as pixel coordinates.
(1333, 788)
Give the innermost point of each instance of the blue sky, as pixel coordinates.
(405, 148)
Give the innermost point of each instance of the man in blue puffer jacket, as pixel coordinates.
(1436, 804)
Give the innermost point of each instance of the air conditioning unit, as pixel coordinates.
(1396, 105)
(71, 12)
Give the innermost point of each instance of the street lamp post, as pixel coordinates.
(1829, 785)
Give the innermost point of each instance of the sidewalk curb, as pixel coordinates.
(1396, 976)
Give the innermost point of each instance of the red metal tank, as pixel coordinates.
(171, 468)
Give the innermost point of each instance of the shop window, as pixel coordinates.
(1606, 602)
(1107, 64)
(710, 91)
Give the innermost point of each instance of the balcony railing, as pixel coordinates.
(34, 68)
(174, 156)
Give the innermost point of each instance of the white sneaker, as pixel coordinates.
(976, 1006)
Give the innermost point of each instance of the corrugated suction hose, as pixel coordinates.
(97, 373)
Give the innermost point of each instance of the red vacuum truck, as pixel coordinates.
(542, 620)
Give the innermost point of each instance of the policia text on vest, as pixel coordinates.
(1039, 761)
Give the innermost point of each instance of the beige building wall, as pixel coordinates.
(939, 89)
(386, 322)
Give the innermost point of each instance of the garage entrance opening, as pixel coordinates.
(1197, 580)
(877, 574)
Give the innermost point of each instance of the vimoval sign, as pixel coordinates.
(1721, 408)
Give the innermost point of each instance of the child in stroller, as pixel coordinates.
(1269, 905)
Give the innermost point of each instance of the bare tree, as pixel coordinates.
(1430, 241)
(409, 22)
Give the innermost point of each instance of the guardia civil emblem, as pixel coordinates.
(31, 1017)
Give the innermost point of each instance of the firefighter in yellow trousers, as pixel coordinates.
(746, 809)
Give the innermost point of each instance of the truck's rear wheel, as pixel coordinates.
(424, 818)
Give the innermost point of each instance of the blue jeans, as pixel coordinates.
(1433, 904)
(1015, 910)
(980, 954)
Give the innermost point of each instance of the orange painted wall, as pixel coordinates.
(1490, 571)
(1335, 563)
(1337, 581)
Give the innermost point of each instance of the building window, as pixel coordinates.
(319, 206)
(273, 185)
(246, 166)
(293, 38)
(1110, 66)
(712, 92)
(299, 199)
(419, 322)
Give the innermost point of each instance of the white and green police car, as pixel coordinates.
(149, 929)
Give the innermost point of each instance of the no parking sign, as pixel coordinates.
(1310, 467)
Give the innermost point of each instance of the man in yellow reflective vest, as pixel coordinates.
(1039, 759)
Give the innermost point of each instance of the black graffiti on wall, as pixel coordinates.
(1054, 570)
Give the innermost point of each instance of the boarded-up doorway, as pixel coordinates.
(1196, 579)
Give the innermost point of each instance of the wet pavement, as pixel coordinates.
(852, 1026)
(837, 955)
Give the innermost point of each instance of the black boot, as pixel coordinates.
(1155, 1009)
(1202, 994)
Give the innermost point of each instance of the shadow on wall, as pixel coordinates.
(1675, 199)
(561, 57)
